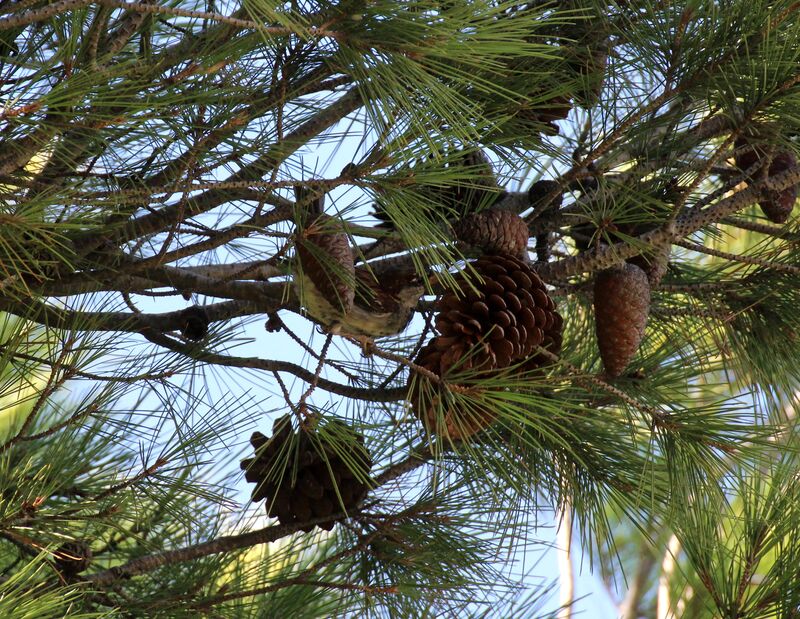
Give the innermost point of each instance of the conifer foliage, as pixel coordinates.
(480, 264)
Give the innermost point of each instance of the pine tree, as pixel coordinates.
(301, 305)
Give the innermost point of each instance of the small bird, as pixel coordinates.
(386, 297)
(324, 273)
(371, 300)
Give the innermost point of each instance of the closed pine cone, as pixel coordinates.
(494, 231)
(621, 305)
(779, 204)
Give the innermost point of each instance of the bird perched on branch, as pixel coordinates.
(371, 300)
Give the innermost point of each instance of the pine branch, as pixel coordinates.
(143, 8)
(742, 259)
(171, 215)
(42, 14)
(221, 544)
(683, 226)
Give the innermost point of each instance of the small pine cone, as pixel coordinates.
(621, 305)
(274, 323)
(557, 108)
(194, 323)
(778, 207)
(494, 231)
(72, 558)
(747, 155)
(328, 271)
(480, 190)
(540, 190)
(302, 475)
(779, 204)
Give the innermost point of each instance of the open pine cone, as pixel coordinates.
(492, 323)
(486, 326)
(303, 476)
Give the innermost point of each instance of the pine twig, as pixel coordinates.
(768, 264)
(683, 226)
(657, 418)
(301, 404)
(59, 374)
(42, 14)
(226, 543)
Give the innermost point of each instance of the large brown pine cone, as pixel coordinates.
(540, 190)
(491, 323)
(494, 231)
(749, 154)
(621, 306)
(549, 111)
(301, 475)
(498, 322)
(326, 277)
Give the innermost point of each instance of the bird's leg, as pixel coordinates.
(367, 344)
